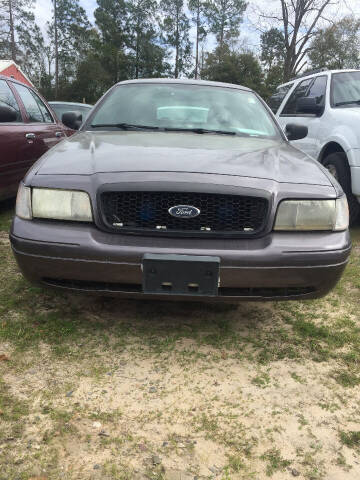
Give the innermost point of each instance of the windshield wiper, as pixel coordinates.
(130, 126)
(349, 102)
(125, 126)
(205, 130)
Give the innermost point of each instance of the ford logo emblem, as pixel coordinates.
(184, 211)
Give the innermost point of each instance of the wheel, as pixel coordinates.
(338, 166)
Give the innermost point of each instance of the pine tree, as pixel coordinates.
(198, 8)
(175, 26)
(112, 19)
(17, 29)
(148, 55)
(69, 34)
(224, 18)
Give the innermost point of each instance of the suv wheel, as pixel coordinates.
(338, 166)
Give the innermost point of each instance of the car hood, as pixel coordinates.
(88, 153)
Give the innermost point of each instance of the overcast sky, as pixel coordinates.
(250, 29)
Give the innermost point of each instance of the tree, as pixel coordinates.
(298, 20)
(69, 34)
(17, 22)
(111, 17)
(272, 57)
(175, 27)
(34, 53)
(148, 56)
(224, 18)
(241, 68)
(198, 8)
(81, 88)
(272, 47)
(337, 46)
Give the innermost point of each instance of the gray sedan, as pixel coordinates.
(182, 189)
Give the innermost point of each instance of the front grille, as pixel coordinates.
(219, 213)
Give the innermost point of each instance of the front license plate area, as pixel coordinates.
(181, 274)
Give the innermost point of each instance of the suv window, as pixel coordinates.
(7, 99)
(276, 99)
(345, 89)
(318, 90)
(35, 108)
(300, 91)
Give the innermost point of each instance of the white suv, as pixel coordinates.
(328, 103)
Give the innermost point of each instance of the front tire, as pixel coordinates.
(338, 166)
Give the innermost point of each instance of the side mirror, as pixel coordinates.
(295, 132)
(7, 114)
(309, 105)
(72, 120)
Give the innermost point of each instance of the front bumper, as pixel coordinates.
(80, 257)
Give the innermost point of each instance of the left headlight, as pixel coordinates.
(313, 215)
(61, 205)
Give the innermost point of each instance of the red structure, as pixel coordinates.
(10, 69)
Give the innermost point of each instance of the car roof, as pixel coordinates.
(185, 81)
(5, 77)
(317, 74)
(76, 104)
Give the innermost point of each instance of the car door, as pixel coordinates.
(43, 130)
(310, 87)
(17, 153)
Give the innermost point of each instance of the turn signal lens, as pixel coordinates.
(23, 202)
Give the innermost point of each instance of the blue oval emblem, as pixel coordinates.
(184, 211)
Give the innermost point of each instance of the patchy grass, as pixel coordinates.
(274, 461)
(350, 439)
(98, 388)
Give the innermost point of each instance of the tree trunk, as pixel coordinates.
(137, 52)
(12, 32)
(197, 41)
(56, 51)
(177, 45)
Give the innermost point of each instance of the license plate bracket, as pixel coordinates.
(180, 274)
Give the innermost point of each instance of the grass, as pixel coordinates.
(274, 461)
(350, 439)
(86, 345)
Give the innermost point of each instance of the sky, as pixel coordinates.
(250, 28)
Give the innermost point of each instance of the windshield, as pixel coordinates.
(345, 89)
(199, 108)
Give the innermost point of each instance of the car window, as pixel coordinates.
(45, 112)
(36, 110)
(276, 99)
(177, 106)
(7, 99)
(318, 90)
(300, 91)
(345, 89)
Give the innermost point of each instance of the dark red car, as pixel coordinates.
(28, 128)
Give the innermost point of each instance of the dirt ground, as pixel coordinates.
(96, 388)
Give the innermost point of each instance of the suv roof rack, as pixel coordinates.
(310, 72)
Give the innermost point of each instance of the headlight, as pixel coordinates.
(61, 205)
(23, 202)
(313, 215)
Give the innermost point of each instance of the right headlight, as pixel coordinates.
(313, 215)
